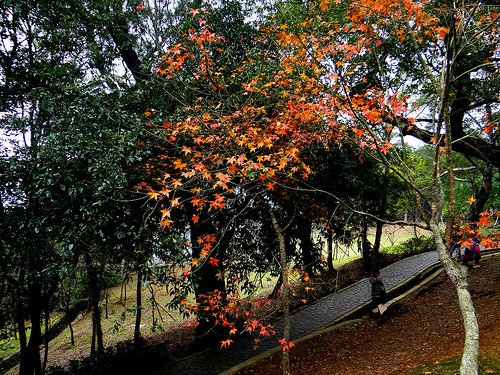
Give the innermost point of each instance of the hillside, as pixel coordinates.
(420, 334)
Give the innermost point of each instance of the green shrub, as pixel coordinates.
(413, 246)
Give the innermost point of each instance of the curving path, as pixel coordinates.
(321, 314)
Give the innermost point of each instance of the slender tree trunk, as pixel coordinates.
(285, 295)
(106, 299)
(138, 309)
(277, 287)
(21, 328)
(72, 333)
(125, 291)
(153, 306)
(67, 309)
(46, 314)
(97, 346)
(456, 272)
(380, 224)
(379, 228)
(366, 249)
(329, 245)
(458, 275)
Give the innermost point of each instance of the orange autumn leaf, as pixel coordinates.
(175, 202)
(484, 221)
(165, 213)
(206, 247)
(179, 164)
(286, 345)
(206, 116)
(359, 132)
(165, 223)
(153, 195)
(194, 262)
(218, 203)
(210, 238)
(213, 261)
(226, 343)
(196, 202)
(223, 177)
(165, 192)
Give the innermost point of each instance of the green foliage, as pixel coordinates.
(8, 346)
(412, 246)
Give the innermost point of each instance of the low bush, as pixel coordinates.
(123, 358)
(413, 246)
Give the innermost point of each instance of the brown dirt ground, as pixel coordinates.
(424, 327)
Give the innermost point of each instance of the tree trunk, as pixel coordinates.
(46, 316)
(379, 227)
(380, 224)
(329, 244)
(277, 287)
(106, 300)
(458, 275)
(138, 309)
(482, 195)
(366, 249)
(72, 333)
(21, 328)
(34, 365)
(153, 306)
(310, 259)
(285, 295)
(97, 346)
(208, 281)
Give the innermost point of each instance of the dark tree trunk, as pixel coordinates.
(207, 281)
(97, 346)
(482, 195)
(153, 306)
(285, 295)
(138, 309)
(379, 229)
(310, 258)
(46, 316)
(72, 333)
(34, 365)
(366, 249)
(329, 244)
(21, 328)
(277, 287)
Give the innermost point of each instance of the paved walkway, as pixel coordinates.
(305, 321)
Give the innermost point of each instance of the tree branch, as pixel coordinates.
(468, 145)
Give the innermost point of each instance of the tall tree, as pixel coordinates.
(339, 76)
